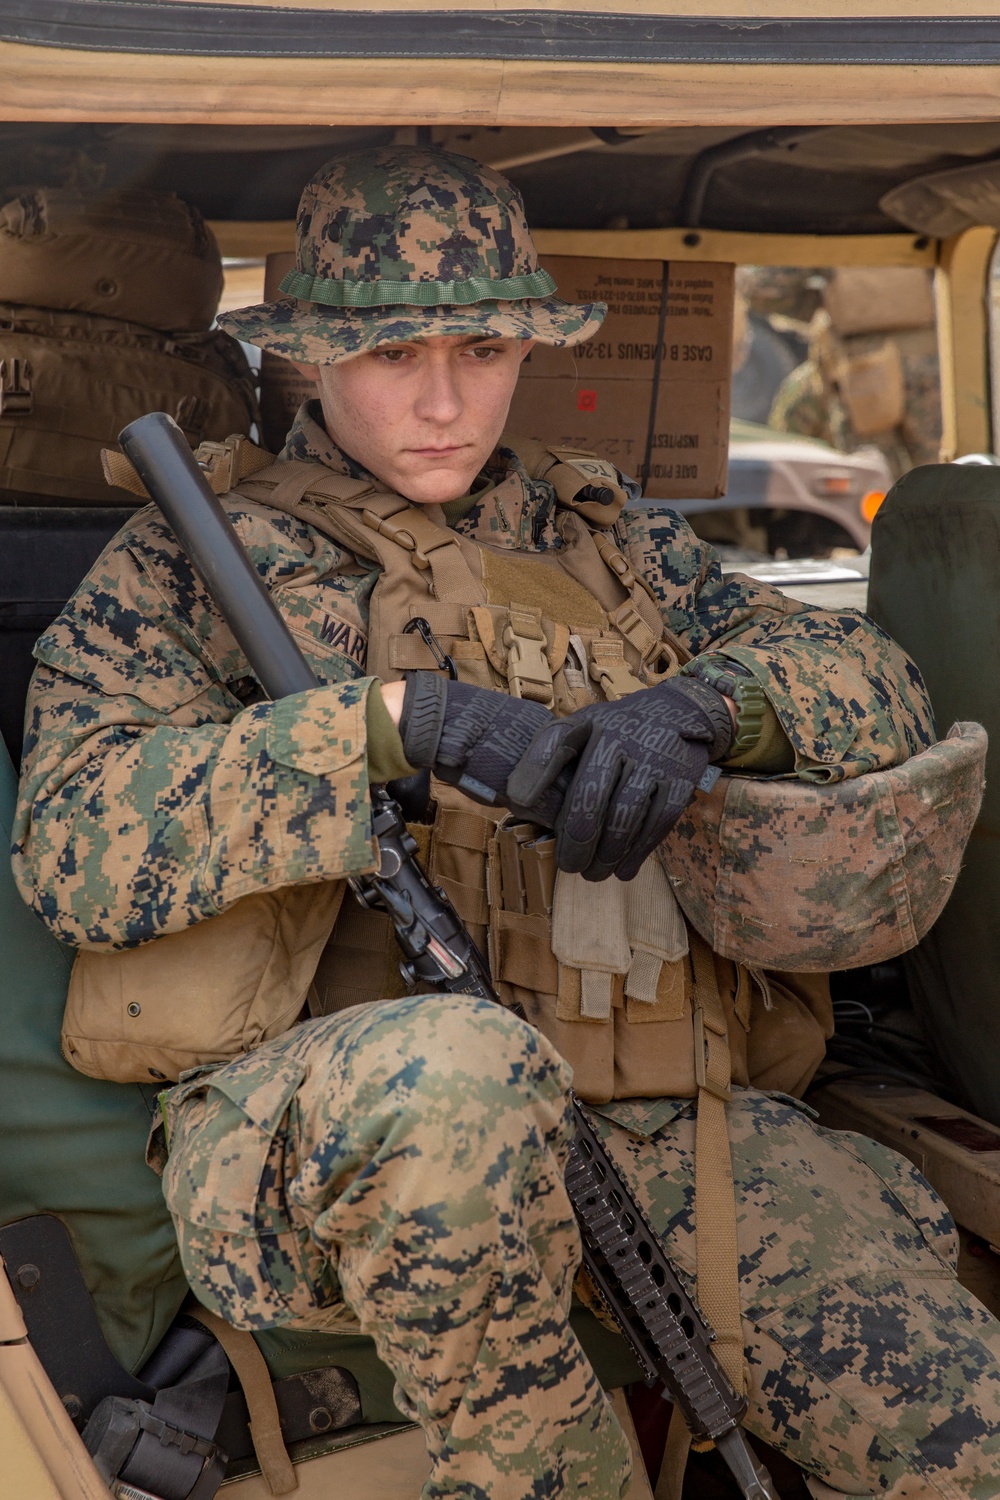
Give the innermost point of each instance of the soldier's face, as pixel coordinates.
(423, 416)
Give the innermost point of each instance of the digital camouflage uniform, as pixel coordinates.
(398, 1166)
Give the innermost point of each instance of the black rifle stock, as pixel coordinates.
(657, 1316)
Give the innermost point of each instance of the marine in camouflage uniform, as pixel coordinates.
(400, 1164)
(811, 402)
(809, 405)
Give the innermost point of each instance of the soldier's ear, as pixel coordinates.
(526, 347)
(309, 372)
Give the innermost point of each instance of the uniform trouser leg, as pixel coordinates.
(408, 1159)
(869, 1365)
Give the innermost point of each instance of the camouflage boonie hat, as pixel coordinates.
(400, 244)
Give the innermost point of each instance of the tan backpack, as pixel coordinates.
(107, 313)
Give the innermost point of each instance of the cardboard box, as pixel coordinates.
(650, 392)
(878, 299)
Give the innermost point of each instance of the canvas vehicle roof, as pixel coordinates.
(774, 131)
(567, 62)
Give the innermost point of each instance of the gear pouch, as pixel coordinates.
(210, 993)
(602, 970)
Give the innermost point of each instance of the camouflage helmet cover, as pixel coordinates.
(398, 244)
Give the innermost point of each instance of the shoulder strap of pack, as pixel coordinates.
(223, 464)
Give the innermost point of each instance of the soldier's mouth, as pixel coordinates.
(438, 452)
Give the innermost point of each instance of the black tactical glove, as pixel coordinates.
(633, 766)
(472, 738)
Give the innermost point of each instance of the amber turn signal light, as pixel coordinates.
(870, 504)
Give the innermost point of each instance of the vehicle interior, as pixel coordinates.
(779, 159)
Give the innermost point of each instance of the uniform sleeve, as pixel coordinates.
(151, 797)
(847, 697)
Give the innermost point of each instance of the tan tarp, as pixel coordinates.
(52, 83)
(742, 9)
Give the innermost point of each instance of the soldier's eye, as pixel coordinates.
(484, 352)
(393, 356)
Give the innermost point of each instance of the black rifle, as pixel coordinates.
(658, 1318)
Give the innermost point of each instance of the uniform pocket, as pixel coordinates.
(220, 1129)
(910, 1191)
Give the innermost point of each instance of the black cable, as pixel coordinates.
(903, 1036)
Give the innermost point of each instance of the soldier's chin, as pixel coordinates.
(437, 482)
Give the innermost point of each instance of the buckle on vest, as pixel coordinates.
(403, 536)
(16, 396)
(711, 1058)
(225, 464)
(528, 672)
(610, 671)
(633, 627)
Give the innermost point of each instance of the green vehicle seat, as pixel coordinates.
(935, 580)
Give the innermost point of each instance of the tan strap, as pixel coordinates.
(342, 489)
(714, 1188)
(293, 482)
(464, 828)
(430, 547)
(411, 653)
(468, 900)
(610, 670)
(372, 523)
(481, 618)
(670, 1483)
(223, 464)
(638, 619)
(265, 1425)
(640, 1487)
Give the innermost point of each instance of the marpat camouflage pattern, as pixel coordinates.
(770, 881)
(868, 1363)
(322, 1183)
(404, 1162)
(141, 761)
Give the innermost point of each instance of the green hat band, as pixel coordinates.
(416, 293)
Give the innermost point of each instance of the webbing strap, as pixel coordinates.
(223, 464)
(265, 1425)
(296, 479)
(430, 547)
(465, 828)
(638, 619)
(176, 1455)
(715, 1191)
(670, 1484)
(714, 1205)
